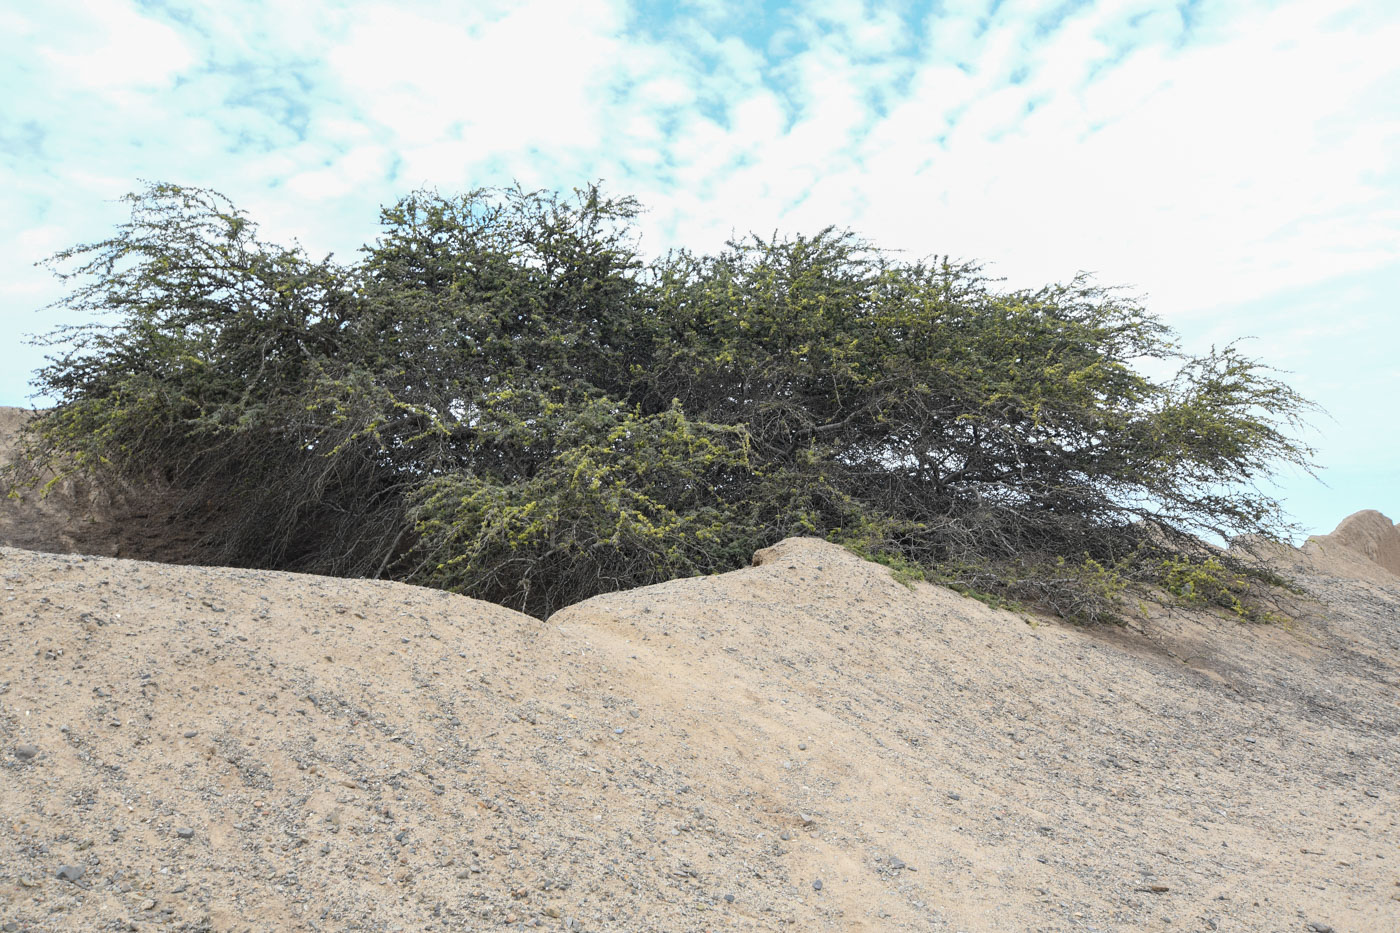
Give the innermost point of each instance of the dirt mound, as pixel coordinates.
(805, 744)
(1371, 534)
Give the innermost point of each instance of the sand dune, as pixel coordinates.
(1371, 534)
(804, 744)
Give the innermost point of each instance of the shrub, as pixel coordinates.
(500, 397)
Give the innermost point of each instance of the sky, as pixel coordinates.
(1235, 164)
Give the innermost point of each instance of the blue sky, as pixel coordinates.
(1236, 164)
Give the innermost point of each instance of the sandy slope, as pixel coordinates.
(205, 748)
(350, 754)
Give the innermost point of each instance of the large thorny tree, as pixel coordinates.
(502, 398)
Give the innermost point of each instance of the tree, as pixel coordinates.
(500, 397)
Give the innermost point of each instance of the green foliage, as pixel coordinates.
(1207, 581)
(903, 570)
(625, 500)
(500, 397)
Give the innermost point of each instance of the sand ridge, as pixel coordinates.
(691, 756)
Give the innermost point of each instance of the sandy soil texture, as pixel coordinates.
(195, 748)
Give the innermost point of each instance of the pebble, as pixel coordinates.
(190, 733)
(71, 872)
(26, 752)
(817, 885)
(1316, 927)
(895, 862)
(729, 898)
(184, 832)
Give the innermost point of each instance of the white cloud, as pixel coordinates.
(110, 47)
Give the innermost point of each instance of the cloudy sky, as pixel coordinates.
(1235, 163)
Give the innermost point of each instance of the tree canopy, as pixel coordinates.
(502, 397)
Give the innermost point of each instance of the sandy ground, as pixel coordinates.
(805, 744)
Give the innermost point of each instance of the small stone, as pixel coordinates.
(801, 746)
(817, 885)
(190, 733)
(26, 752)
(10, 927)
(896, 863)
(71, 872)
(729, 898)
(785, 835)
(184, 832)
(619, 730)
(954, 796)
(1316, 927)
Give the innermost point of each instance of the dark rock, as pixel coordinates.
(71, 872)
(184, 832)
(26, 752)
(817, 885)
